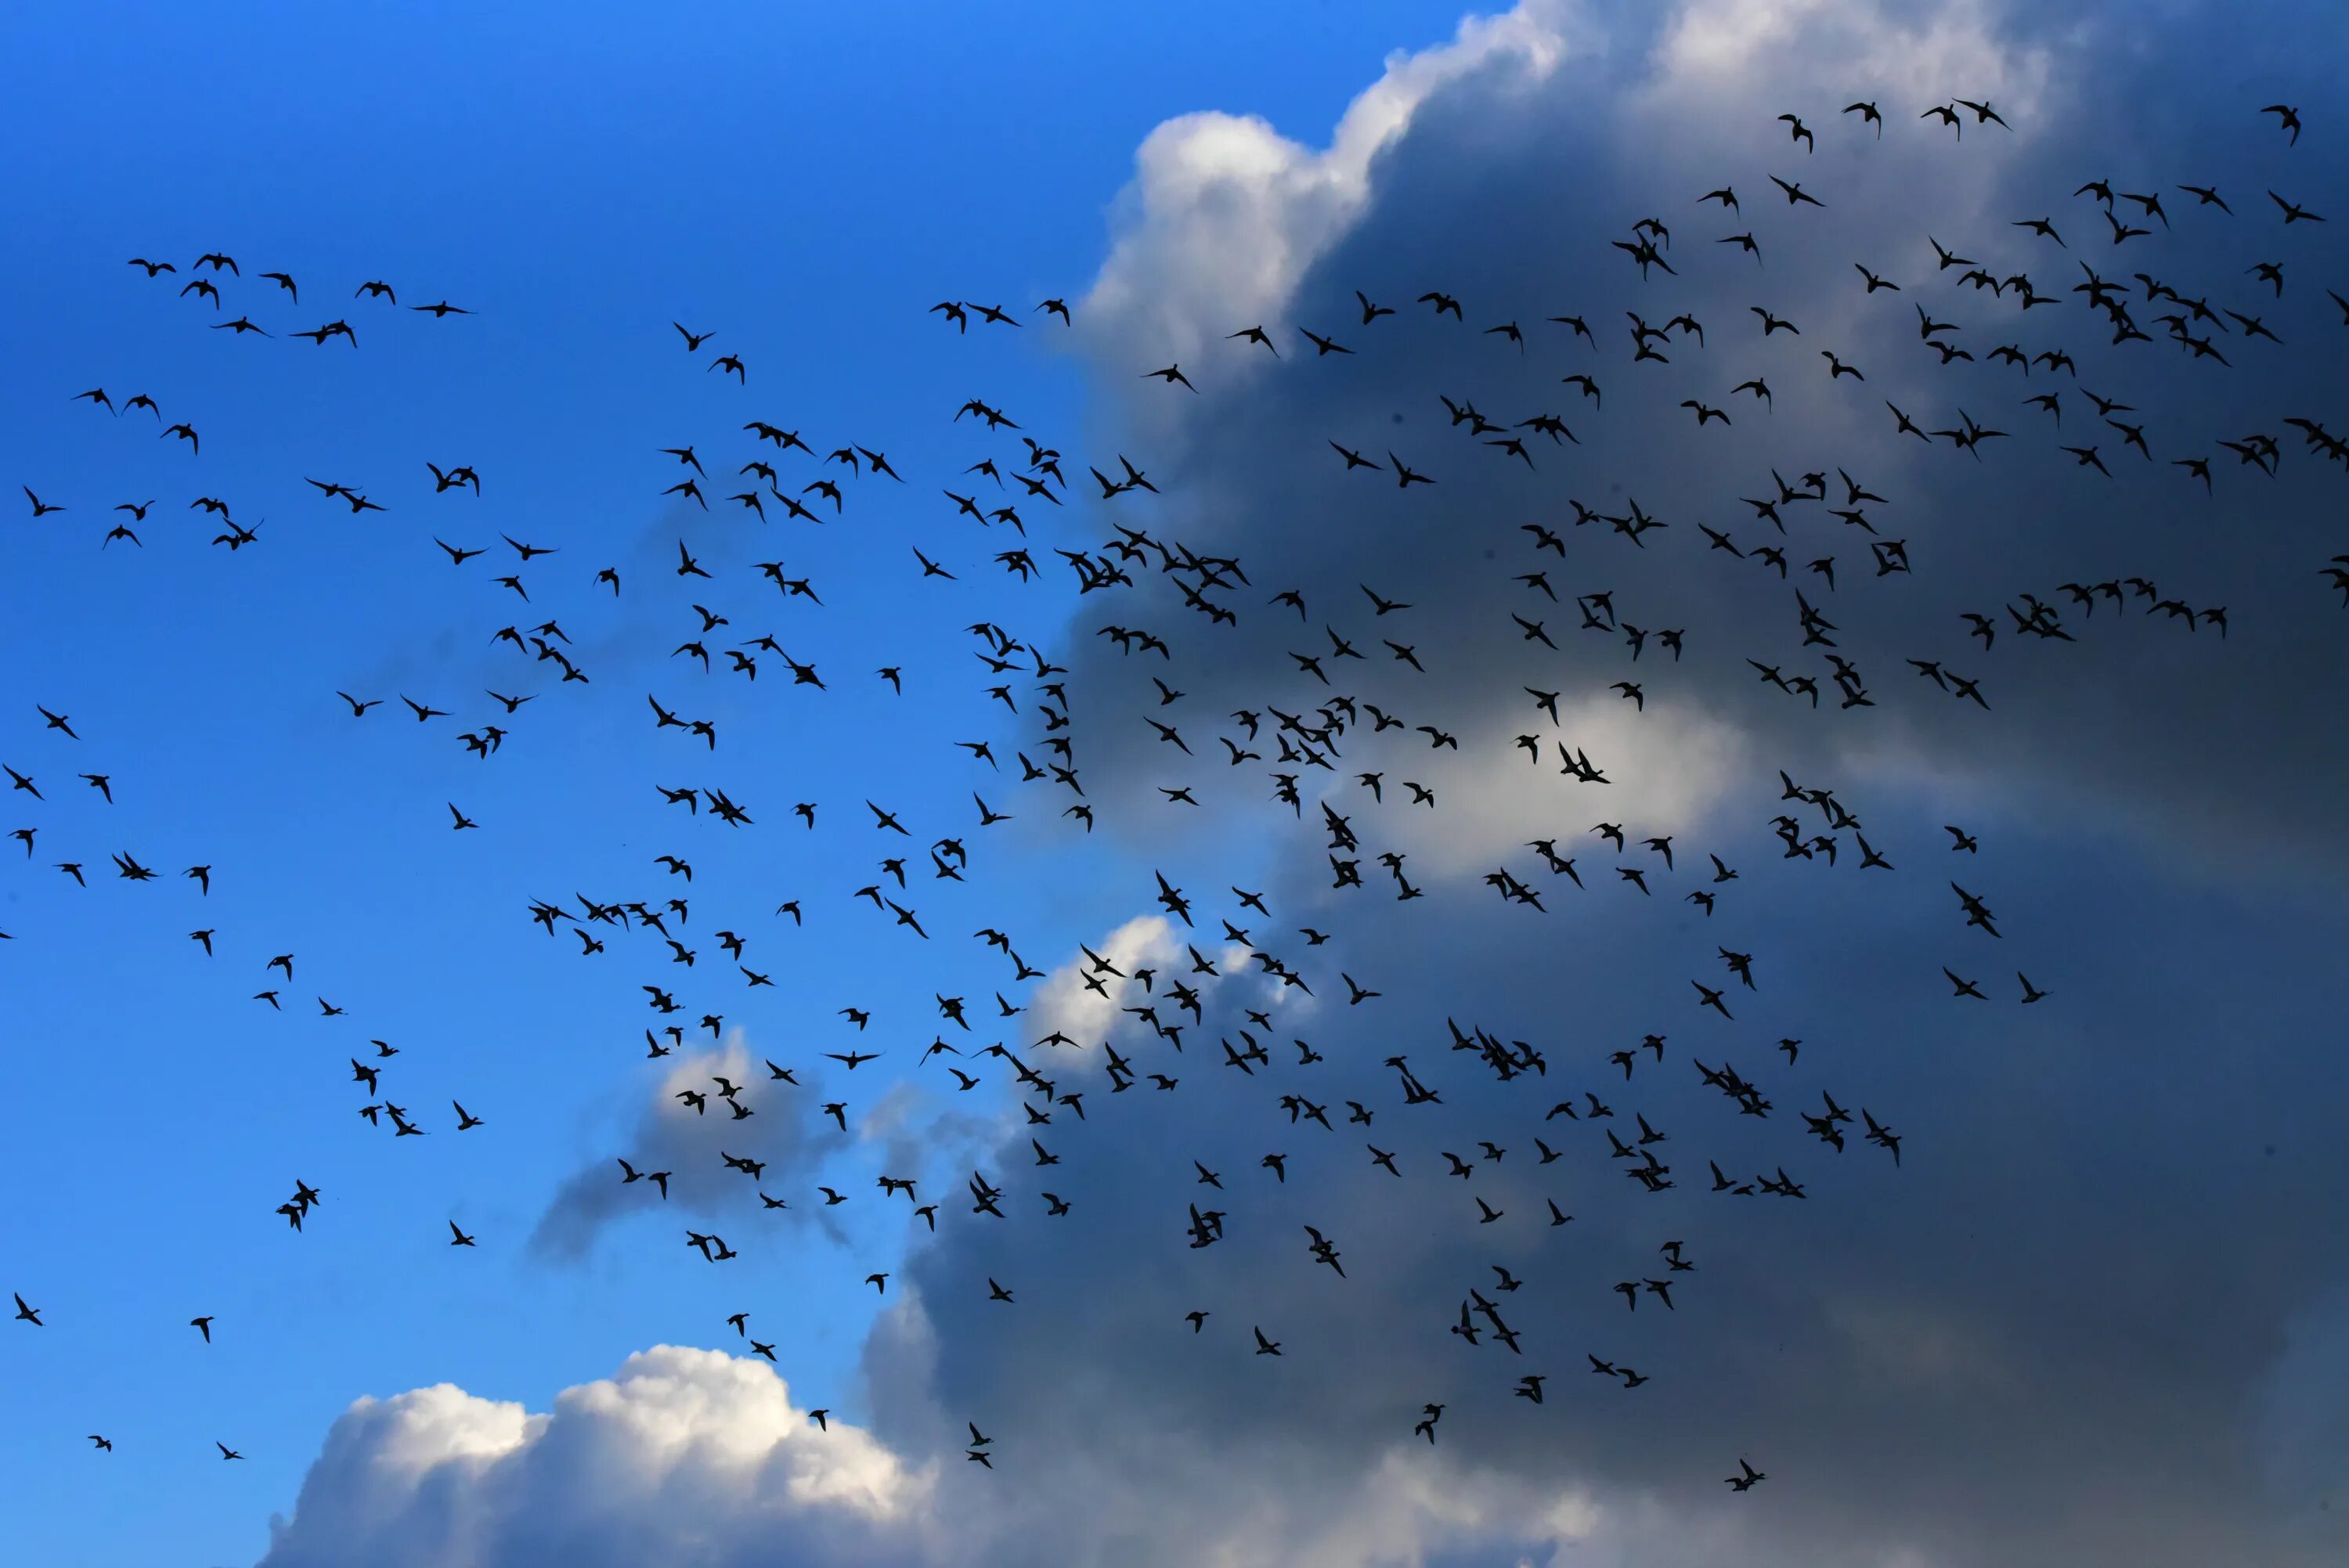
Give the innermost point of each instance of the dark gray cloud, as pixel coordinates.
(2079, 1278)
(2061, 1326)
(1544, 181)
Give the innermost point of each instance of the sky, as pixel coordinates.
(2090, 1314)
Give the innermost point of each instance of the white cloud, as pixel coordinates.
(1679, 762)
(685, 1456)
(1064, 1004)
(1722, 56)
(1225, 214)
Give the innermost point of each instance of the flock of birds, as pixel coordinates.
(785, 478)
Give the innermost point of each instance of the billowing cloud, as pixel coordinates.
(686, 1456)
(1959, 1356)
(1226, 215)
(1517, 166)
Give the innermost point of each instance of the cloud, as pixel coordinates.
(1065, 1005)
(1452, 186)
(1961, 1359)
(687, 1457)
(2303, 1430)
(786, 1131)
(1684, 761)
(697, 1458)
(1225, 214)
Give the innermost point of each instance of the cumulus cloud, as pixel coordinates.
(698, 1458)
(1225, 214)
(685, 1456)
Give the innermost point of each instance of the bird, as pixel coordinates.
(1238, 726)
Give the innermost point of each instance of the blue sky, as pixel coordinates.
(804, 184)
